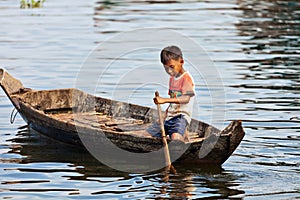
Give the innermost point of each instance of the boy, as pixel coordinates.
(181, 91)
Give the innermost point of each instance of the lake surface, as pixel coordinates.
(254, 48)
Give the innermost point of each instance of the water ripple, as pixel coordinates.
(255, 47)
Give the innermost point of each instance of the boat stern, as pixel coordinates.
(236, 132)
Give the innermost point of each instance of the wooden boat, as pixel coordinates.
(68, 115)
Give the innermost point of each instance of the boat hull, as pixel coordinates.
(74, 117)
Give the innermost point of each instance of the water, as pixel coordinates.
(254, 46)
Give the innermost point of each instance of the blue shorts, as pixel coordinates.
(176, 124)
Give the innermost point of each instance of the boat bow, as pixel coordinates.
(9, 84)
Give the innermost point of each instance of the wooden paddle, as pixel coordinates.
(164, 138)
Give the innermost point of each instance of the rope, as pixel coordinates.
(13, 116)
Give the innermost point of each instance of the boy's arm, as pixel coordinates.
(184, 99)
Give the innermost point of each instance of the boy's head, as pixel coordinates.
(171, 58)
(170, 53)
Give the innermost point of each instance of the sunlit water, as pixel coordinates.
(255, 48)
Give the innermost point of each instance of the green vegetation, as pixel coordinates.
(31, 4)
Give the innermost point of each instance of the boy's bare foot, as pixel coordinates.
(177, 136)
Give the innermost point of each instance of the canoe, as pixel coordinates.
(77, 118)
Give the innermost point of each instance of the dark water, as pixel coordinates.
(253, 44)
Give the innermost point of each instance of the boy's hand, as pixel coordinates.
(159, 100)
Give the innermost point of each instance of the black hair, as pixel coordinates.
(170, 53)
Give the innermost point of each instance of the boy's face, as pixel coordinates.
(174, 67)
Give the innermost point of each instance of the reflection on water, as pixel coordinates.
(270, 70)
(273, 45)
(255, 46)
(40, 162)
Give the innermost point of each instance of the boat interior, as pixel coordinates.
(75, 106)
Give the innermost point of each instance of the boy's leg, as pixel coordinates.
(186, 136)
(177, 136)
(153, 130)
(176, 127)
